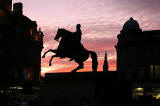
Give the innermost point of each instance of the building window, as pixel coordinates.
(156, 53)
(151, 71)
(155, 71)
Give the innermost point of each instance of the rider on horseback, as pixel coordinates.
(76, 41)
(71, 49)
(70, 46)
(78, 33)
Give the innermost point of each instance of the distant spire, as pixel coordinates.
(105, 65)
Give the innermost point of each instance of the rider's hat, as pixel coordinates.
(78, 26)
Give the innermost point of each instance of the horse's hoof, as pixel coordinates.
(73, 71)
(43, 56)
(50, 64)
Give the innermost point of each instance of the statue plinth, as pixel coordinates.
(75, 86)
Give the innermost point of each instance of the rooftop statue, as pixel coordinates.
(70, 46)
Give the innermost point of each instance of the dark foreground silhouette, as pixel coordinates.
(71, 47)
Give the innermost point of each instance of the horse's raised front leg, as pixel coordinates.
(50, 50)
(50, 62)
(81, 66)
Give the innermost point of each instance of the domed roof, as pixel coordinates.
(131, 24)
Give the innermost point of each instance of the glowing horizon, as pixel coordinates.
(101, 22)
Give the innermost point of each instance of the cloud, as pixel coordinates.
(101, 22)
(100, 44)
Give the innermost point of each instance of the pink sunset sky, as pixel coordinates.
(101, 21)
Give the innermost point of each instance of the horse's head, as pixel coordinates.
(58, 35)
(62, 33)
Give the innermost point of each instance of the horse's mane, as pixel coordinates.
(66, 31)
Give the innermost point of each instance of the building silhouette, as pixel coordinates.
(105, 64)
(6, 5)
(28, 44)
(138, 52)
(5, 24)
(20, 44)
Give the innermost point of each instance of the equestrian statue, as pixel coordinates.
(70, 46)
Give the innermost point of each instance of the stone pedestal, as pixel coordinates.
(94, 88)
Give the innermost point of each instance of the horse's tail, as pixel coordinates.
(94, 60)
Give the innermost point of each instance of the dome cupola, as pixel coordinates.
(131, 24)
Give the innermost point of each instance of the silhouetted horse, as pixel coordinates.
(79, 55)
